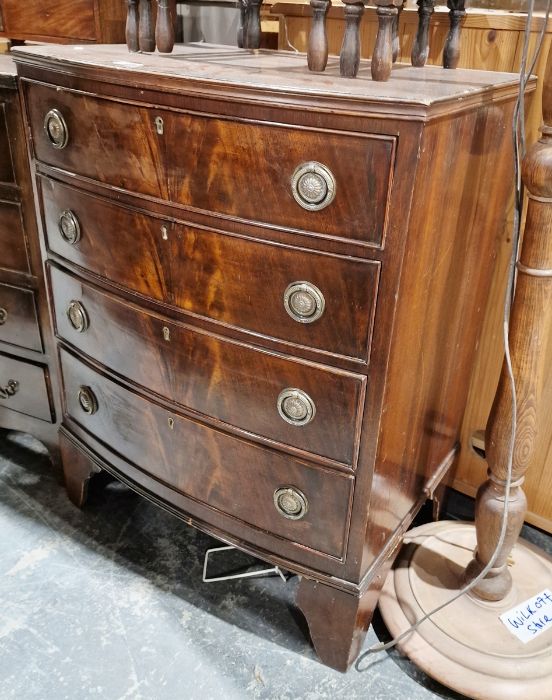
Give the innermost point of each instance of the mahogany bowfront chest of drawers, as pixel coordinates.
(266, 288)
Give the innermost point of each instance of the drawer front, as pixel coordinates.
(56, 18)
(228, 381)
(23, 388)
(12, 238)
(18, 318)
(237, 169)
(228, 474)
(235, 281)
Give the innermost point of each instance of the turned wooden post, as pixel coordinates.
(132, 26)
(530, 328)
(317, 51)
(396, 37)
(252, 25)
(349, 59)
(420, 47)
(382, 58)
(451, 52)
(242, 5)
(164, 29)
(146, 32)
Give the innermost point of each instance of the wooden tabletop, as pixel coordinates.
(418, 92)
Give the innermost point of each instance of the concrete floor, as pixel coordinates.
(109, 603)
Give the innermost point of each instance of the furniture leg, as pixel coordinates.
(382, 58)
(317, 51)
(451, 52)
(77, 471)
(420, 47)
(350, 49)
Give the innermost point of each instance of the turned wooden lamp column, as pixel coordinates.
(466, 646)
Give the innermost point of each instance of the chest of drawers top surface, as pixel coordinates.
(417, 92)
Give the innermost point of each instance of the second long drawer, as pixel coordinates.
(280, 399)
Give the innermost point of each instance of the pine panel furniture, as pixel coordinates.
(267, 290)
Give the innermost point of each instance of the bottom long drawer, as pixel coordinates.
(261, 487)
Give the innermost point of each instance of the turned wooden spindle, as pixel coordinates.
(252, 28)
(164, 28)
(317, 51)
(242, 5)
(396, 37)
(420, 47)
(146, 31)
(530, 328)
(349, 59)
(132, 26)
(382, 58)
(451, 52)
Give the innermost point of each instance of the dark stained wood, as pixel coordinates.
(451, 51)
(396, 36)
(146, 26)
(420, 47)
(106, 140)
(205, 373)
(252, 27)
(78, 475)
(530, 321)
(26, 341)
(13, 242)
(349, 58)
(101, 21)
(205, 273)
(317, 53)
(164, 27)
(382, 58)
(190, 225)
(132, 26)
(183, 449)
(18, 318)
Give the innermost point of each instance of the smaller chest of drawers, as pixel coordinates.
(267, 289)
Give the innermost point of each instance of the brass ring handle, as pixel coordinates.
(69, 227)
(11, 388)
(3, 316)
(296, 407)
(56, 129)
(304, 302)
(291, 503)
(87, 400)
(78, 318)
(313, 186)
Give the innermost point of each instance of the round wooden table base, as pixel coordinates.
(466, 647)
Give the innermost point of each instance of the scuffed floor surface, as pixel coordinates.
(109, 603)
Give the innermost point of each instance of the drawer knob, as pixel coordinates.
(56, 129)
(296, 407)
(304, 302)
(77, 316)
(290, 502)
(11, 388)
(3, 316)
(87, 400)
(69, 227)
(313, 186)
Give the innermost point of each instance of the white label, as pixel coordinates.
(530, 618)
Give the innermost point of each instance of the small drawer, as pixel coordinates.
(300, 297)
(318, 182)
(12, 238)
(281, 399)
(18, 318)
(263, 488)
(23, 388)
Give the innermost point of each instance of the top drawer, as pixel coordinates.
(282, 176)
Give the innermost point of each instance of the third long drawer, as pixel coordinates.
(307, 406)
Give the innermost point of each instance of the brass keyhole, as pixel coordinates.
(166, 333)
(159, 125)
(164, 233)
(171, 423)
